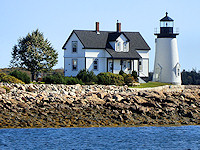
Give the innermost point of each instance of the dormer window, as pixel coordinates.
(125, 46)
(74, 46)
(118, 46)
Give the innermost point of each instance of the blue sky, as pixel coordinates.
(57, 18)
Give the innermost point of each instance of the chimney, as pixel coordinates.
(118, 26)
(97, 28)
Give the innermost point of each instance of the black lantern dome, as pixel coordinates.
(166, 28)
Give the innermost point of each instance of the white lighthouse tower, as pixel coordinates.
(166, 65)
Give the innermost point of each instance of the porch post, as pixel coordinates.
(112, 64)
(121, 63)
(107, 64)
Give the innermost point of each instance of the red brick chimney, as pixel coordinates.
(97, 27)
(118, 26)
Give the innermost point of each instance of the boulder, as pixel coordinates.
(2, 91)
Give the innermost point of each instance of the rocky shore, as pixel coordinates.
(43, 105)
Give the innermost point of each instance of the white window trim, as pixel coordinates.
(76, 46)
(96, 64)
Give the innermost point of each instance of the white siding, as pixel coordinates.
(96, 53)
(143, 53)
(144, 72)
(68, 48)
(102, 65)
(101, 55)
(144, 69)
(69, 55)
(136, 65)
(68, 66)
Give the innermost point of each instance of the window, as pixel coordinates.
(118, 46)
(140, 65)
(95, 64)
(74, 46)
(74, 64)
(129, 65)
(178, 69)
(125, 46)
(124, 63)
(110, 66)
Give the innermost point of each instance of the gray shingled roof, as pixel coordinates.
(92, 40)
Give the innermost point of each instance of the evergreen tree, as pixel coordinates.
(34, 53)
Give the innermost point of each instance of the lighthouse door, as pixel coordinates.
(157, 73)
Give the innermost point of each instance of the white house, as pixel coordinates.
(106, 51)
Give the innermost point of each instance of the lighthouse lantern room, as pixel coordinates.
(166, 65)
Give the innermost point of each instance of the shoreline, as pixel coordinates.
(129, 126)
(63, 106)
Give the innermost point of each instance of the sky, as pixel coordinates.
(58, 18)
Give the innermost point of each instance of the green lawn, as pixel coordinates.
(150, 84)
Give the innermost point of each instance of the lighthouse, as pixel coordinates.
(166, 65)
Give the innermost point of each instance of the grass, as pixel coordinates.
(151, 84)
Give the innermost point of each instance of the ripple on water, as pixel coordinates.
(185, 137)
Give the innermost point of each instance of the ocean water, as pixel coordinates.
(136, 138)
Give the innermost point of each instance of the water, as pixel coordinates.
(185, 137)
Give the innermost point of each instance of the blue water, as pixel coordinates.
(181, 138)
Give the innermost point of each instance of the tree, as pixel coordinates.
(34, 53)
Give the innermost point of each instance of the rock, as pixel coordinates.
(101, 94)
(2, 91)
(30, 88)
(139, 100)
(117, 97)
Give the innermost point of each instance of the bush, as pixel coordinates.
(9, 79)
(134, 74)
(108, 78)
(121, 72)
(6, 88)
(54, 79)
(21, 75)
(57, 78)
(129, 79)
(72, 80)
(88, 77)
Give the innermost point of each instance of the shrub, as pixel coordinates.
(9, 79)
(108, 78)
(134, 74)
(72, 80)
(88, 77)
(121, 72)
(57, 78)
(54, 79)
(129, 79)
(21, 75)
(6, 88)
